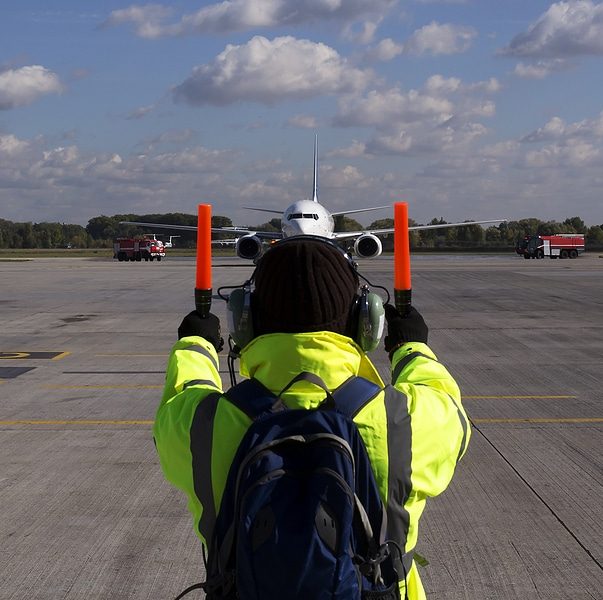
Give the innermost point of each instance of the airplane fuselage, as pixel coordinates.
(306, 217)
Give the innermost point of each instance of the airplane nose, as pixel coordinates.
(309, 228)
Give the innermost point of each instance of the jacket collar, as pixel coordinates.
(275, 359)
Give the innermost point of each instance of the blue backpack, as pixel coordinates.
(301, 516)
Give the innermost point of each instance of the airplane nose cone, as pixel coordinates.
(306, 227)
(311, 227)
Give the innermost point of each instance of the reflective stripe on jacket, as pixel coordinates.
(414, 434)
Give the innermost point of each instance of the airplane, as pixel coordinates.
(308, 217)
(170, 244)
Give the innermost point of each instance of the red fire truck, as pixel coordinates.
(138, 248)
(560, 245)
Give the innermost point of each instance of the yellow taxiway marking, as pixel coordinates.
(165, 354)
(36, 355)
(516, 397)
(102, 387)
(75, 422)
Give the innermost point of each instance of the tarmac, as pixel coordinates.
(87, 514)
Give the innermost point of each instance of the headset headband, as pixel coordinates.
(307, 238)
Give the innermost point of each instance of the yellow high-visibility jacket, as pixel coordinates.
(414, 438)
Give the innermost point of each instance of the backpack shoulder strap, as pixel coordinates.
(252, 397)
(353, 394)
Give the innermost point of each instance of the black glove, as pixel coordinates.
(208, 328)
(401, 329)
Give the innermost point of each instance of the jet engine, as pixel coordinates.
(249, 247)
(367, 246)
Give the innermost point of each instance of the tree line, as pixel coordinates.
(102, 230)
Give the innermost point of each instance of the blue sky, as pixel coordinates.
(463, 108)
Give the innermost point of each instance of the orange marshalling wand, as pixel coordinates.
(402, 285)
(203, 287)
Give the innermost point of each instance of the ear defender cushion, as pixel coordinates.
(371, 320)
(369, 317)
(240, 322)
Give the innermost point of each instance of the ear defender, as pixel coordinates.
(370, 320)
(240, 322)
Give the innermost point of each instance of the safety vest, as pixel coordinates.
(415, 431)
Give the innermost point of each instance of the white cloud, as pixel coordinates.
(541, 68)
(557, 129)
(60, 156)
(385, 50)
(501, 150)
(170, 137)
(437, 39)
(303, 121)
(554, 129)
(362, 35)
(436, 118)
(140, 112)
(575, 153)
(11, 145)
(20, 87)
(399, 142)
(438, 101)
(566, 29)
(437, 84)
(354, 150)
(345, 177)
(268, 72)
(41, 181)
(490, 86)
(141, 182)
(147, 19)
(384, 108)
(240, 15)
(478, 108)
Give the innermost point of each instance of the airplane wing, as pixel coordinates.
(272, 235)
(334, 214)
(342, 235)
(268, 210)
(358, 210)
(228, 242)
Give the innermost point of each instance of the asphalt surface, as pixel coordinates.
(86, 513)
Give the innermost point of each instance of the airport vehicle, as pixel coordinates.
(308, 217)
(561, 245)
(138, 248)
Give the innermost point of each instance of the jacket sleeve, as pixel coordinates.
(439, 425)
(192, 374)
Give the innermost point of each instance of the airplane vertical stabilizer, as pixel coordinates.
(315, 181)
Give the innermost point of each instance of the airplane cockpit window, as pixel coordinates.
(302, 216)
